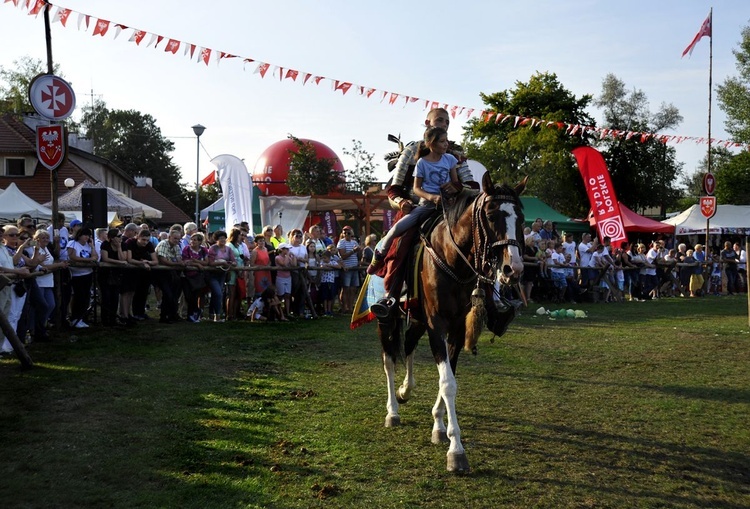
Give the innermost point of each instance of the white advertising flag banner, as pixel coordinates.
(237, 188)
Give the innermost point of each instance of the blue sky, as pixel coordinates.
(443, 51)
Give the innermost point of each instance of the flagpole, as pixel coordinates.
(710, 80)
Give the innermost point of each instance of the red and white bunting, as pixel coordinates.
(102, 26)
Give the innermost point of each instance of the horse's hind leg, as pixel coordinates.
(439, 435)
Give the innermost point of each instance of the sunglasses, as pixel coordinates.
(11, 235)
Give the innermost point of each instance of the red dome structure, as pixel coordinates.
(272, 167)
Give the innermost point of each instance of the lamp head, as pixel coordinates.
(198, 129)
(69, 183)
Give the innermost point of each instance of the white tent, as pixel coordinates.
(729, 219)
(13, 204)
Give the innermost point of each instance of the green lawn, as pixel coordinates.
(638, 405)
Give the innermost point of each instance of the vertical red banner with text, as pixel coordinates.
(604, 204)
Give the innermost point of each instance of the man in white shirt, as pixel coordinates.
(584, 258)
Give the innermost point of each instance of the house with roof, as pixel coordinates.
(19, 165)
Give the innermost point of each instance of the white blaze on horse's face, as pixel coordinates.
(513, 251)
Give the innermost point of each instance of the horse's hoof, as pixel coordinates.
(458, 463)
(391, 421)
(401, 401)
(439, 437)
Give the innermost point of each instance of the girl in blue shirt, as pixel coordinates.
(435, 170)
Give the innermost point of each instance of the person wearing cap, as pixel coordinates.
(284, 260)
(351, 254)
(278, 236)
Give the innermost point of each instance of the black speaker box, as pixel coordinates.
(94, 207)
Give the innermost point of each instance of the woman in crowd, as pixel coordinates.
(141, 252)
(12, 298)
(110, 278)
(235, 279)
(82, 257)
(313, 260)
(219, 255)
(46, 284)
(195, 282)
(259, 258)
(35, 305)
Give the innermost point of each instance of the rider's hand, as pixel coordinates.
(406, 206)
(436, 199)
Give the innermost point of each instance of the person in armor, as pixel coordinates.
(401, 197)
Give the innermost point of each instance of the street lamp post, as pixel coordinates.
(198, 130)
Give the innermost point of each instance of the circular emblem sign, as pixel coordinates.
(709, 183)
(52, 97)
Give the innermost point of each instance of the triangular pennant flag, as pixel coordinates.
(344, 86)
(453, 111)
(307, 77)
(291, 73)
(393, 98)
(101, 27)
(38, 6)
(262, 69)
(318, 79)
(205, 55)
(62, 16)
(469, 112)
(118, 29)
(153, 39)
(137, 36)
(369, 92)
(172, 46)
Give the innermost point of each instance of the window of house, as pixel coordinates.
(15, 167)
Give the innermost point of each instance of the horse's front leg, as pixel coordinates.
(457, 460)
(389, 366)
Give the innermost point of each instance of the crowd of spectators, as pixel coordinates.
(559, 269)
(184, 273)
(235, 275)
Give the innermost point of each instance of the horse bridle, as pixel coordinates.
(483, 252)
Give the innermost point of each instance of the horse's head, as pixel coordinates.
(503, 218)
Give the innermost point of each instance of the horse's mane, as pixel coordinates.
(453, 212)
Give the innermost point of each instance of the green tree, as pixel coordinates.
(543, 153)
(733, 172)
(360, 178)
(734, 93)
(308, 173)
(14, 84)
(133, 141)
(643, 172)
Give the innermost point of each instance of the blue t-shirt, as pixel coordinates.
(435, 174)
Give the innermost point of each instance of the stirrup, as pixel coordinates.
(382, 308)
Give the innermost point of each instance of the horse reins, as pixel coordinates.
(482, 250)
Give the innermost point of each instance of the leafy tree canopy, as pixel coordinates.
(542, 153)
(734, 93)
(14, 84)
(643, 173)
(308, 173)
(133, 141)
(361, 177)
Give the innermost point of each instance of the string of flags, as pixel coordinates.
(202, 54)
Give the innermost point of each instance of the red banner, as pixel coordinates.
(601, 194)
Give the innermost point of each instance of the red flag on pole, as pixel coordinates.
(209, 179)
(705, 31)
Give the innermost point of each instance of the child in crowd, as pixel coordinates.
(327, 289)
(272, 308)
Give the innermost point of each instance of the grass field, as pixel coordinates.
(638, 405)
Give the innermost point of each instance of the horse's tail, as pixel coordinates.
(475, 320)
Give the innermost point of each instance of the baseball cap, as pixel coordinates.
(284, 245)
(75, 222)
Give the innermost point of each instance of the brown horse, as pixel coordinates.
(478, 240)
